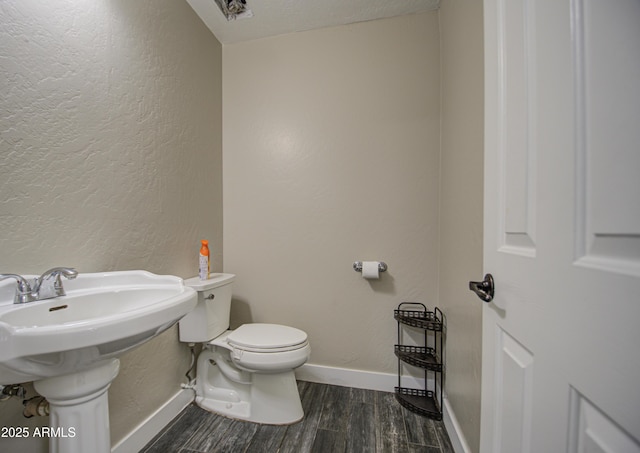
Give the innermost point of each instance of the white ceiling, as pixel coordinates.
(276, 17)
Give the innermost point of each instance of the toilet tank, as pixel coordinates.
(211, 315)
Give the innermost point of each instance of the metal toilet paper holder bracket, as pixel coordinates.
(357, 266)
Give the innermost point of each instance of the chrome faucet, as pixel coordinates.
(47, 286)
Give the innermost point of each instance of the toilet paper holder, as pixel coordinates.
(357, 266)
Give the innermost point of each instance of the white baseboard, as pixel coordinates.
(384, 382)
(149, 428)
(322, 374)
(458, 441)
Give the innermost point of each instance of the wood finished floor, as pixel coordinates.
(337, 419)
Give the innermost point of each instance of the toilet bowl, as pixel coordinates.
(246, 373)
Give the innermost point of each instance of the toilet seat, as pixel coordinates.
(266, 338)
(266, 348)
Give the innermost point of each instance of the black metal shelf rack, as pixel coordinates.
(427, 401)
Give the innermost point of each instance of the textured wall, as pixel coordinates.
(331, 148)
(461, 206)
(110, 139)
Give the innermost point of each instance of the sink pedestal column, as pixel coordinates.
(79, 409)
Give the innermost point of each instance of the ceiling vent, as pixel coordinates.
(234, 9)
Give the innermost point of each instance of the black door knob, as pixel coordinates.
(484, 289)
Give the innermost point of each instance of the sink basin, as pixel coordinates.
(102, 316)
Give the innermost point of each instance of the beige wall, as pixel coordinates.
(461, 206)
(110, 139)
(331, 154)
(331, 148)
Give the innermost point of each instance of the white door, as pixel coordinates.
(561, 338)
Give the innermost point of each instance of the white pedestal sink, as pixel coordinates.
(69, 346)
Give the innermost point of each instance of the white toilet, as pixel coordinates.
(247, 373)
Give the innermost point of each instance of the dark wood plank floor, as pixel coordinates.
(337, 419)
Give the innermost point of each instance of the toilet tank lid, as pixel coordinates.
(214, 281)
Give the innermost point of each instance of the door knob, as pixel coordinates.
(484, 289)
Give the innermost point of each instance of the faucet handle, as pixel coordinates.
(23, 289)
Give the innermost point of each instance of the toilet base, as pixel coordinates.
(271, 399)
